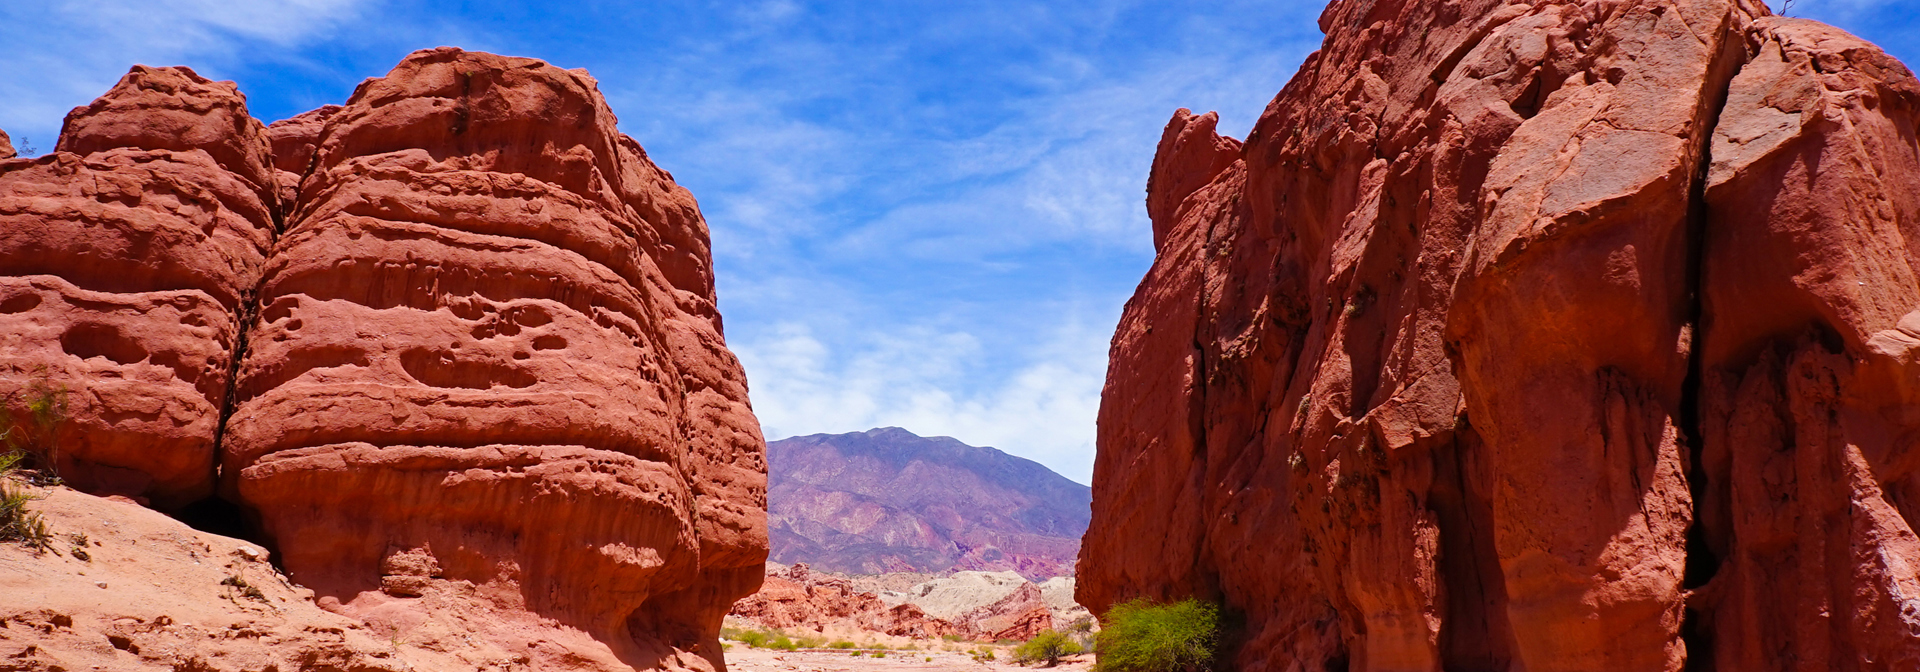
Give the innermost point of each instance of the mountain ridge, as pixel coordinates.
(889, 500)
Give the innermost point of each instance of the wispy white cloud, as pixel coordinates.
(65, 53)
(916, 378)
(949, 264)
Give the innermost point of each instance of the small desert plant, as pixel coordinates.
(79, 542)
(1047, 647)
(245, 589)
(30, 420)
(1143, 637)
(16, 522)
(843, 644)
(983, 654)
(768, 639)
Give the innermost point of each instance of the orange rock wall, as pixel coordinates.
(1545, 336)
(480, 371)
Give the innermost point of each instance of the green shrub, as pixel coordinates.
(30, 420)
(16, 522)
(1047, 647)
(983, 654)
(752, 638)
(1142, 637)
(843, 644)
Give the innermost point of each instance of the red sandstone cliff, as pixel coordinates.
(480, 376)
(1546, 336)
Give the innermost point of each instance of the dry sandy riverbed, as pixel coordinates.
(744, 659)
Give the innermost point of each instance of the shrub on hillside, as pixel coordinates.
(1047, 647)
(16, 522)
(1143, 637)
(30, 420)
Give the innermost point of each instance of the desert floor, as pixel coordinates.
(744, 659)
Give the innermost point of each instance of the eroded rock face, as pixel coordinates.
(127, 257)
(1546, 336)
(483, 383)
(487, 338)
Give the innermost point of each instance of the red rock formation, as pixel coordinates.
(1810, 374)
(487, 345)
(127, 256)
(798, 597)
(484, 385)
(1547, 336)
(6, 146)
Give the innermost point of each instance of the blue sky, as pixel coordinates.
(924, 214)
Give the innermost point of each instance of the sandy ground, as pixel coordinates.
(743, 659)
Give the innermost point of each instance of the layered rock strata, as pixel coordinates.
(453, 344)
(128, 258)
(1546, 336)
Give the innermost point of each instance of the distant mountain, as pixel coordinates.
(887, 500)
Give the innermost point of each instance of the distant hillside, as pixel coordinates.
(887, 500)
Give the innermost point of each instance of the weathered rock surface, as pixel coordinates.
(127, 257)
(886, 501)
(483, 389)
(1810, 387)
(1546, 336)
(488, 354)
(798, 597)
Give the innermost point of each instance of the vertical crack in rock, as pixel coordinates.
(1474, 634)
(1701, 562)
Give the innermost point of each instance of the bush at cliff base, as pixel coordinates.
(1142, 637)
(1047, 647)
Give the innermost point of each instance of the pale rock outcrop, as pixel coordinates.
(800, 598)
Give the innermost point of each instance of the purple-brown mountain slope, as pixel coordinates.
(887, 500)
